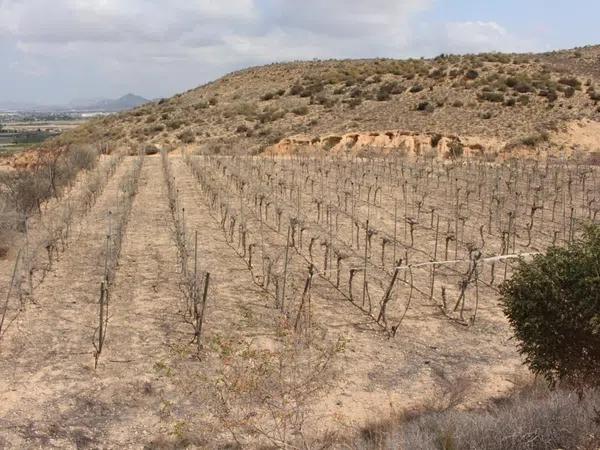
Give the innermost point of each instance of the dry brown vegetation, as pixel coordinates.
(532, 418)
(501, 96)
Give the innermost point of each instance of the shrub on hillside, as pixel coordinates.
(425, 107)
(353, 102)
(553, 305)
(455, 149)
(573, 82)
(174, 124)
(523, 87)
(569, 91)
(551, 95)
(187, 136)
(435, 139)
(388, 89)
(494, 97)
(356, 93)
(471, 74)
(300, 110)
(296, 89)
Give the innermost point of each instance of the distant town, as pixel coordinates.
(25, 125)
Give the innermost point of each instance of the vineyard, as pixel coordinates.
(266, 298)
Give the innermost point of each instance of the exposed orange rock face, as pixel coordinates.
(581, 137)
(383, 143)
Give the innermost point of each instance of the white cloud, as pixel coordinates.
(158, 47)
(481, 36)
(117, 20)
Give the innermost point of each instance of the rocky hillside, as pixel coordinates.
(502, 98)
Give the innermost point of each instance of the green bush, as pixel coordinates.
(511, 82)
(296, 90)
(174, 124)
(573, 82)
(523, 87)
(471, 74)
(382, 96)
(353, 102)
(494, 97)
(553, 305)
(388, 89)
(425, 107)
(533, 139)
(187, 136)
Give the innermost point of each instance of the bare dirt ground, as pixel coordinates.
(150, 388)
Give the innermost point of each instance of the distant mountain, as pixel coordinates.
(124, 103)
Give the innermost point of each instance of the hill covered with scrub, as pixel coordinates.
(504, 100)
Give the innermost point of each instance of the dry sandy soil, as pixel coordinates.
(150, 388)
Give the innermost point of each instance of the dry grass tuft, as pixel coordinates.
(533, 419)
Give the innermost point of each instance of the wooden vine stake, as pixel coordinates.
(102, 322)
(305, 302)
(199, 308)
(285, 269)
(10, 287)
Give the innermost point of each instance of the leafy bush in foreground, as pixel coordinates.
(553, 304)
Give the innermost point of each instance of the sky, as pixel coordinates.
(56, 51)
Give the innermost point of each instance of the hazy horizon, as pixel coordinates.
(84, 49)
